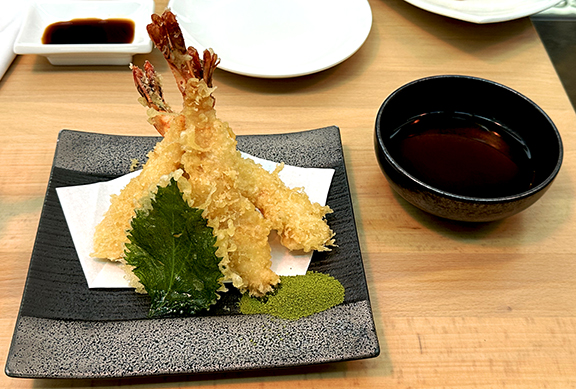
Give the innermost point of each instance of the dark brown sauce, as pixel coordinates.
(89, 31)
(464, 154)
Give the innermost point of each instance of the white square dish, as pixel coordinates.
(45, 12)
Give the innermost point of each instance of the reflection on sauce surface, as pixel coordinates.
(89, 31)
(463, 154)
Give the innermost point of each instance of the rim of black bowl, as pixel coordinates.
(464, 198)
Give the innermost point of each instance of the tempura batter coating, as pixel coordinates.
(110, 235)
(241, 201)
(299, 223)
(241, 230)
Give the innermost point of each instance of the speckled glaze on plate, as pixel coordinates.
(65, 330)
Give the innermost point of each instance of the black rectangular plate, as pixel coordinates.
(66, 330)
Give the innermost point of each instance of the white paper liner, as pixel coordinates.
(84, 207)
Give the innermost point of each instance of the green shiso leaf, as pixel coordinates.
(173, 252)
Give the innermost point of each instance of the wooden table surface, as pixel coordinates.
(456, 306)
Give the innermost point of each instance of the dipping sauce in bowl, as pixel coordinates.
(89, 31)
(466, 148)
(463, 154)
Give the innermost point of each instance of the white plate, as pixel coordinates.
(45, 12)
(484, 11)
(275, 39)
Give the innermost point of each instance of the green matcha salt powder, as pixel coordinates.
(297, 296)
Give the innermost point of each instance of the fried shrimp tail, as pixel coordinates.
(240, 200)
(149, 85)
(184, 62)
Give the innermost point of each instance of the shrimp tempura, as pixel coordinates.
(241, 201)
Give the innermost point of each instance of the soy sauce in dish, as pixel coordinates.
(89, 31)
(463, 154)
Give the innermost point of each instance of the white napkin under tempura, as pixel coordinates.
(84, 207)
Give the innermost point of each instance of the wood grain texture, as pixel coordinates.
(489, 306)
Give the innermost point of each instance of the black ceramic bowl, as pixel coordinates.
(423, 131)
